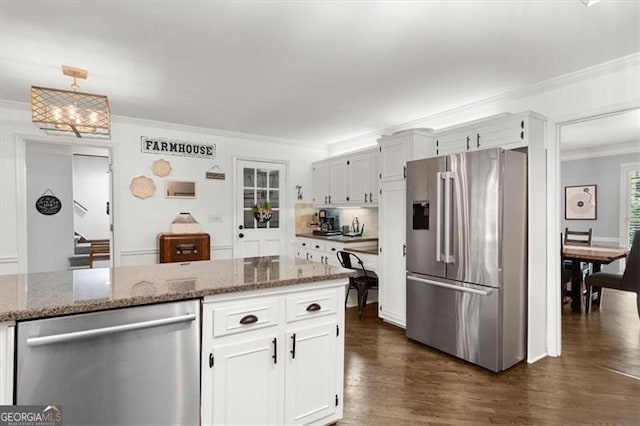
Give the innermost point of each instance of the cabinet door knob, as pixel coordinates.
(293, 346)
(317, 246)
(365, 197)
(241, 235)
(371, 197)
(249, 319)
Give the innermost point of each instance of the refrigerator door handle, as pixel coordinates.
(440, 178)
(448, 257)
(449, 286)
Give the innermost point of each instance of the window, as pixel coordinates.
(629, 202)
(634, 204)
(261, 189)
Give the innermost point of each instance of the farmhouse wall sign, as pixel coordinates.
(177, 147)
(48, 205)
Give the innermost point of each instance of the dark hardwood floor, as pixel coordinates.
(390, 380)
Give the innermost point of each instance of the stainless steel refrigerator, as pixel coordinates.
(467, 255)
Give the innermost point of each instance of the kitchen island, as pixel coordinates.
(280, 318)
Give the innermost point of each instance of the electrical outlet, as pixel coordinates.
(214, 218)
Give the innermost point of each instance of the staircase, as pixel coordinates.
(87, 252)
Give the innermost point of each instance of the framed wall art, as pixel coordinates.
(580, 202)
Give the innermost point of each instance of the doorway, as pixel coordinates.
(594, 156)
(260, 208)
(65, 198)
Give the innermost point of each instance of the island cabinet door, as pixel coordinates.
(245, 378)
(310, 374)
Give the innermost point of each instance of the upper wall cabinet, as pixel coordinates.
(321, 183)
(349, 180)
(397, 149)
(502, 130)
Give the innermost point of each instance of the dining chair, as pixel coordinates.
(579, 238)
(582, 238)
(629, 280)
(362, 282)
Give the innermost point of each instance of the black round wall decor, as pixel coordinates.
(48, 204)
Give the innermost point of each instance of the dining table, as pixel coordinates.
(597, 255)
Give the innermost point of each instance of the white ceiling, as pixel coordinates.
(309, 71)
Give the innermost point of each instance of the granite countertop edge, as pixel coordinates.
(338, 238)
(95, 305)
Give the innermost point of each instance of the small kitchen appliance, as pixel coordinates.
(329, 223)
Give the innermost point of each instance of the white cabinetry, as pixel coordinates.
(7, 348)
(338, 183)
(503, 130)
(395, 151)
(324, 251)
(311, 360)
(245, 373)
(346, 180)
(274, 356)
(358, 179)
(321, 183)
(392, 262)
(374, 178)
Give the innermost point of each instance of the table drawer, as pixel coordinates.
(238, 317)
(311, 305)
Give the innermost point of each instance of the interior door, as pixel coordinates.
(260, 216)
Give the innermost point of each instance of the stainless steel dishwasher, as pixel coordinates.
(138, 365)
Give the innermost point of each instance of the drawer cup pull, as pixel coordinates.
(249, 319)
(313, 307)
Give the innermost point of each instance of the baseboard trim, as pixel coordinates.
(531, 360)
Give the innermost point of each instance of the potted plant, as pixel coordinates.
(262, 211)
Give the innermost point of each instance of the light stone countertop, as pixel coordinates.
(47, 294)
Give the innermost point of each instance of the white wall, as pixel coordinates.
(605, 173)
(137, 222)
(91, 190)
(49, 237)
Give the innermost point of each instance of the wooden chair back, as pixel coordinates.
(582, 238)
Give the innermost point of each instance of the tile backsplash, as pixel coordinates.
(306, 214)
(367, 217)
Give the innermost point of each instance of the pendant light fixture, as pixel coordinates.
(59, 111)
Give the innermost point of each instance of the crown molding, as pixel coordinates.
(632, 60)
(601, 151)
(22, 106)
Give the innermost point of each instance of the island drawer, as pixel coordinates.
(240, 316)
(311, 305)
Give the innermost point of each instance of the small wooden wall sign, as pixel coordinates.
(215, 173)
(177, 147)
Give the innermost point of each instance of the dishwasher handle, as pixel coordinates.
(96, 332)
(449, 286)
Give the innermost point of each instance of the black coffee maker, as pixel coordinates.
(328, 222)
